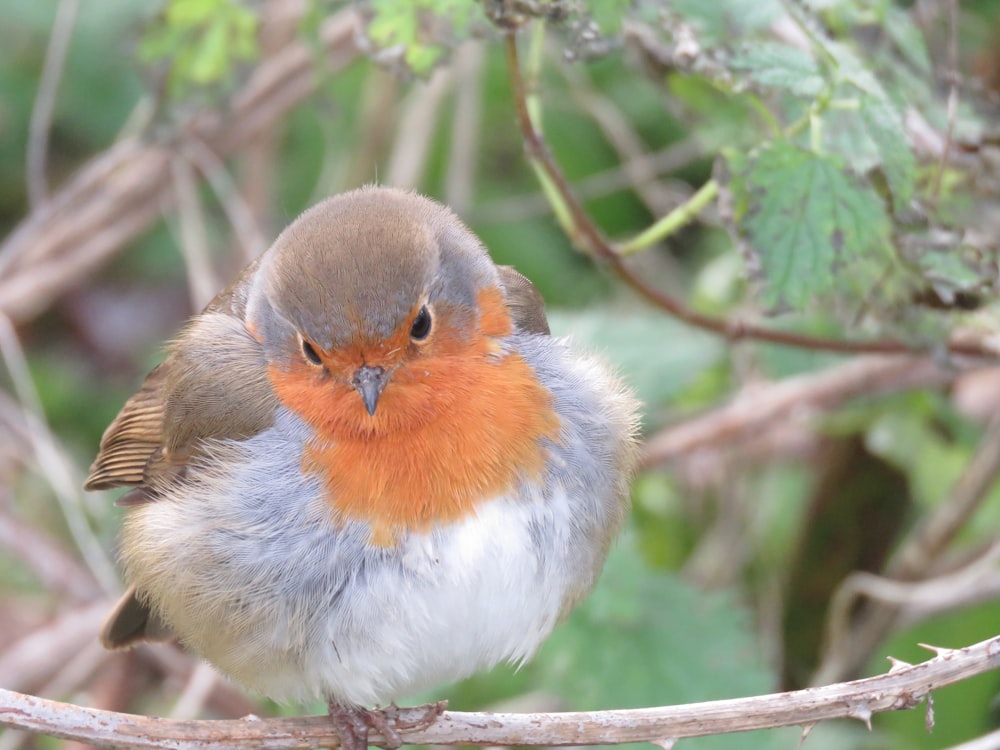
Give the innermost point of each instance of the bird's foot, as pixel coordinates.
(353, 723)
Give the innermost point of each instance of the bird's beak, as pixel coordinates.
(369, 382)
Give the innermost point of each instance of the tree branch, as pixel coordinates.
(121, 192)
(584, 233)
(755, 410)
(903, 687)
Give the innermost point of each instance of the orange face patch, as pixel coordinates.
(454, 426)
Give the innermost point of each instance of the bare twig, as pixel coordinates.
(584, 233)
(903, 687)
(250, 238)
(417, 125)
(45, 100)
(923, 598)
(28, 662)
(460, 178)
(753, 410)
(123, 191)
(849, 648)
(202, 282)
(952, 109)
(55, 569)
(58, 470)
(622, 137)
(667, 159)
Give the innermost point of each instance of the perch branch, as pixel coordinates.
(903, 687)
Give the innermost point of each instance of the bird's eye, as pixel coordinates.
(310, 353)
(421, 325)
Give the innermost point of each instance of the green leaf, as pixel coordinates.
(908, 37)
(608, 14)
(884, 126)
(423, 29)
(882, 119)
(719, 22)
(803, 215)
(781, 66)
(202, 40)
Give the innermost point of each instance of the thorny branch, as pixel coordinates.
(903, 687)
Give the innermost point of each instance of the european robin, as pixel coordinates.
(366, 467)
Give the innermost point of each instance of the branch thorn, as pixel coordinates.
(806, 729)
(897, 664)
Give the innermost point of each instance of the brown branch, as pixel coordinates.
(849, 649)
(755, 409)
(45, 101)
(903, 687)
(587, 235)
(121, 192)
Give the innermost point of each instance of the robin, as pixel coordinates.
(366, 467)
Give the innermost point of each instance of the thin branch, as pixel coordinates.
(903, 687)
(124, 190)
(619, 133)
(417, 127)
(466, 128)
(585, 233)
(919, 599)
(56, 570)
(754, 410)
(952, 107)
(194, 243)
(45, 101)
(668, 159)
(849, 649)
(250, 238)
(58, 470)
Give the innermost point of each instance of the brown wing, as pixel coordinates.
(131, 438)
(526, 305)
(184, 401)
(148, 423)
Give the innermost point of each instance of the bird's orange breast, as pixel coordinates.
(464, 424)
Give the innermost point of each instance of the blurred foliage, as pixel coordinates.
(823, 124)
(202, 40)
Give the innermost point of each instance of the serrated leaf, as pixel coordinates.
(719, 22)
(608, 14)
(884, 126)
(803, 215)
(908, 37)
(882, 120)
(781, 66)
(422, 28)
(202, 40)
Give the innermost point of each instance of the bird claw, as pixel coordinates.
(353, 723)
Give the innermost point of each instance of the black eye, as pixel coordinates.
(421, 325)
(309, 351)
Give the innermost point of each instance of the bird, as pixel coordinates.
(366, 468)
